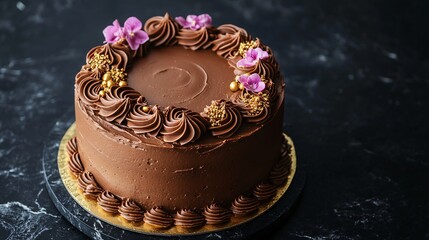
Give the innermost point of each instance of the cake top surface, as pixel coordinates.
(180, 81)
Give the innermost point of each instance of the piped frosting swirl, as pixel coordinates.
(186, 218)
(89, 186)
(71, 146)
(196, 39)
(147, 123)
(228, 40)
(109, 202)
(244, 205)
(264, 191)
(225, 118)
(131, 211)
(159, 218)
(117, 55)
(115, 106)
(183, 126)
(216, 214)
(89, 89)
(75, 164)
(162, 30)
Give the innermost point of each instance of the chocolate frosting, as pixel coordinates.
(159, 218)
(229, 39)
(186, 218)
(258, 117)
(216, 214)
(89, 186)
(264, 191)
(109, 202)
(89, 89)
(86, 73)
(229, 124)
(118, 54)
(244, 205)
(196, 39)
(115, 106)
(146, 123)
(183, 126)
(131, 211)
(71, 146)
(162, 30)
(262, 67)
(281, 170)
(75, 164)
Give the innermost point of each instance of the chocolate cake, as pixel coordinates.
(179, 122)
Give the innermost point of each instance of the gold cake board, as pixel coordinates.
(70, 183)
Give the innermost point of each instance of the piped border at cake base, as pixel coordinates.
(91, 206)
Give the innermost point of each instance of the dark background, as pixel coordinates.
(357, 82)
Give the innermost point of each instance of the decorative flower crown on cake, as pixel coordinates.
(102, 81)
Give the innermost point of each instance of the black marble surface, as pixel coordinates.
(357, 75)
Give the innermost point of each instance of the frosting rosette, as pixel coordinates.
(89, 186)
(89, 91)
(225, 118)
(228, 40)
(75, 164)
(145, 120)
(183, 126)
(244, 205)
(255, 108)
(162, 30)
(131, 211)
(186, 218)
(216, 214)
(71, 146)
(115, 106)
(117, 55)
(109, 202)
(196, 39)
(158, 218)
(264, 191)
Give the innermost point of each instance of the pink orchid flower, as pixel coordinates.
(131, 32)
(195, 22)
(252, 57)
(252, 82)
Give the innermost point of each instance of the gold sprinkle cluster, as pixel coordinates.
(113, 77)
(256, 102)
(99, 61)
(216, 112)
(245, 46)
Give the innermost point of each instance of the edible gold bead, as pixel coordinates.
(107, 76)
(241, 86)
(233, 86)
(104, 83)
(123, 83)
(109, 83)
(145, 109)
(101, 93)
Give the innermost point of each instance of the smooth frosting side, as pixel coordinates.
(158, 217)
(109, 202)
(162, 30)
(131, 211)
(182, 126)
(88, 185)
(216, 214)
(196, 39)
(188, 219)
(244, 205)
(228, 40)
